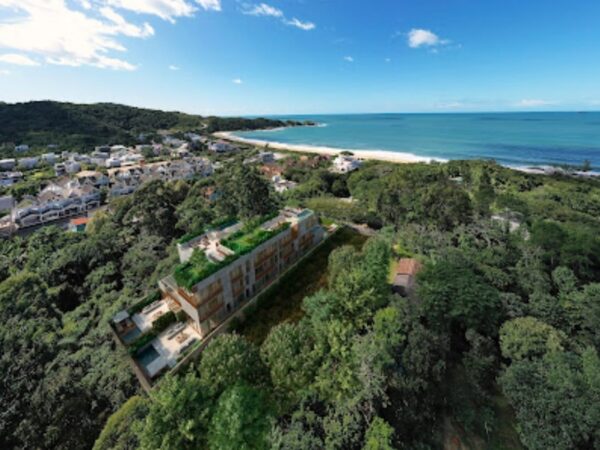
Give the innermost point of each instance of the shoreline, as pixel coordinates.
(391, 156)
(377, 155)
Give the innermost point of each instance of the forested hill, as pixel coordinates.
(79, 126)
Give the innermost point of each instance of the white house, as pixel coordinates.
(10, 178)
(221, 147)
(22, 148)
(28, 163)
(50, 158)
(57, 200)
(346, 163)
(72, 166)
(113, 162)
(7, 164)
(282, 185)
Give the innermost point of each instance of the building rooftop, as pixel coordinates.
(408, 266)
(206, 254)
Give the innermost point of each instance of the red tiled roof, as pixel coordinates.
(408, 266)
(80, 221)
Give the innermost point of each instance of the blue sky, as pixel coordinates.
(304, 56)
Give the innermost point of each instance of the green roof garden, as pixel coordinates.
(198, 268)
(242, 242)
(247, 239)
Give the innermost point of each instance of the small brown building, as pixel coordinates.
(405, 274)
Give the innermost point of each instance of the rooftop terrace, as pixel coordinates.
(214, 250)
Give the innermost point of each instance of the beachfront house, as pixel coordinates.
(222, 147)
(346, 164)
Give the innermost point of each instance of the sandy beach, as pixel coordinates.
(378, 155)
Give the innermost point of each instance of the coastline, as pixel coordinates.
(377, 155)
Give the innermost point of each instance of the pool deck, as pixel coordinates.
(170, 344)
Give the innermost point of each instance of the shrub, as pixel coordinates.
(163, 322)
(149, 299)
(141, 342)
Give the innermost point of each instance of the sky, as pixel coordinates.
(238, 57)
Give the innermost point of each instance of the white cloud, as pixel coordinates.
(418, 37)
(237, 81)
(533, 103)
(126, 28)
(349, 59)
(262, 9)
(17, 59)
(165, 9)
(174, 68)
(306, 26)
(4, 72)
(84, 32)
(210, 5)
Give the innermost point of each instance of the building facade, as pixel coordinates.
(209, 302)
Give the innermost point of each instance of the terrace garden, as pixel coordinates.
(242, 242)
(198, 268)
(248, 238)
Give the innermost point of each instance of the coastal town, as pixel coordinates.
(73, 185)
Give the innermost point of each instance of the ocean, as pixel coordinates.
(512, 139)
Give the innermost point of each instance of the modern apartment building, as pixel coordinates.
(221, 269)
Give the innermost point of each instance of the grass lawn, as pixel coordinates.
(282, 301)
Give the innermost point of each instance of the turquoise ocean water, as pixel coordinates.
(513, 139)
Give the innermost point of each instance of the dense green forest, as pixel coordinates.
(501, 340)
(81, 127)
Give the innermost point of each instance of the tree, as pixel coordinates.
(556, 400)
(527, 337)
(242, 420)
(154, 206)
(244, 193)
(550, 237)
(178, 416)
(379, 435)
(454, 296)
(290, 354)
(229, 359)
(119, 433)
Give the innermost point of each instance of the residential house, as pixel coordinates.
(7, 164)
(49, 158)
(78, 224)
(222, 147)
(10, 178)
(28, 163)
(63, 198)
(282, 185)
(93, 178)
(21, 148)
(405, 273)
(113, 162)
(7, 202)
(346, 164)
(72, 166)
(60, 169)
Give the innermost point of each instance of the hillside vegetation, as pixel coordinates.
(81, 127)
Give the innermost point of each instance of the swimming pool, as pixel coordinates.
(147, 356)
